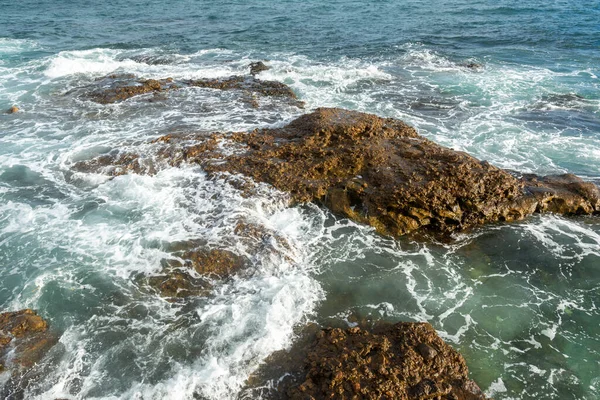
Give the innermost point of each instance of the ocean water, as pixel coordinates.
(512, 82)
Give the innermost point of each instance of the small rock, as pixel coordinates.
(257, 67)
(12, 110)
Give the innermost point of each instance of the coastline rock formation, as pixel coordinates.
(258, 67)
(380, 172)
(194, 270)
(119, 87)
(376, 171)
(24, 339)
(401, 361)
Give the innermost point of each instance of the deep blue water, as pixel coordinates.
(520, 301)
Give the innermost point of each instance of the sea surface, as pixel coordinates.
(512, 82)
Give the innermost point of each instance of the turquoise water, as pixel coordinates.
(520, 301)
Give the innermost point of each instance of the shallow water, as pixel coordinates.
(520, 301)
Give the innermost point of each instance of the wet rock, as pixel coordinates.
(121, 92)
(382, 363)
(116, 163)
(562, 194)
(116, 88)
(175, 283)
(24, 339)
(248, 84)
(474, 66)
(193, 271)
(426, 351)
(379, 171)
(215, 263)
(12, 110)
(257, 67)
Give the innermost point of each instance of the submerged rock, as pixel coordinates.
(12, 110)
(247, 84)
(474, 66)
(24, 339)
(116, 163)
(401, 361)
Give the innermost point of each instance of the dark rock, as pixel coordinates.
(426, 351)
(380, 172)
(194, 270)
(116, 163)
(382, 363)
(249, 84)
(175, 283)
(472, 66)
(257, 67)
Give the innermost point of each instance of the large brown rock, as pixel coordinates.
(378, 171)
(24, 339)
(118, 92)
(401, 361)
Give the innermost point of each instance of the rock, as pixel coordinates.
(194, 270)
(24, 339)
(178, 283)
(124, 92)
(426, 351)
(379, 171)
(116, 163)
(382, 363)
(248, 84)
(257, 67)
(116, 88)
(12, 110)
(472, 66)
(562, 194)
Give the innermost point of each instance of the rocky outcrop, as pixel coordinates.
(24, 339)
(379, 171)
(258, 67)
(247, 84)
(119, 87)
(116, 91)
(402, 361)
(193, 270)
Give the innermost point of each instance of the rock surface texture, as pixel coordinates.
(379, 171)
(119, 87)
(193, 270)
(376, 171)
(24, 339)
(402, 361)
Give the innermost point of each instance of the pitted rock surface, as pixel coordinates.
(400, 361)
(24, 339)
(376, 171)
